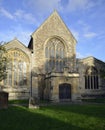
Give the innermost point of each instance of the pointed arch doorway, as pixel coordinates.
(64, 91)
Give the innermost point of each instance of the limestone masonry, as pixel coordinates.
(48, 68)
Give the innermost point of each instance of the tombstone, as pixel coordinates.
(33, 102)
(3, 100)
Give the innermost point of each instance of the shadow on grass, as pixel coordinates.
(21, 118)
(97, 111)
(87, 117)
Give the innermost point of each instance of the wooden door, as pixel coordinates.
(64, 91)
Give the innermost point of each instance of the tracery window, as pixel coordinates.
(17, 68)
(91, 78)
(55, 55)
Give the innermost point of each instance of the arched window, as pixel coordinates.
(91, 78)
(17, 68)
(8, 80)
(55, 54)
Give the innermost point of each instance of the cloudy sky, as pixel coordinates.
(84, 18)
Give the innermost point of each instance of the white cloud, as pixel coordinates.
(75, 34)
(43, 5)
(86, 30)
(6, 13)
(22, 15)
(79, 55)
(19, 15)
(49, 5)
(101, 35)
(90, 35)
(1, 2)
(18, 32)
(74, 5)
(84, 26)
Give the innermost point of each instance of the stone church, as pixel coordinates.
(48, 68)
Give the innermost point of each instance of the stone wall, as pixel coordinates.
(53, 80)
(53, 27)
(17, 91)
(83, 65)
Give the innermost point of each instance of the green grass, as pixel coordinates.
(61, 117)
(97, 100)
(24, 101)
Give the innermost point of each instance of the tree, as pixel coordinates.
(3, 62)
(102, 71)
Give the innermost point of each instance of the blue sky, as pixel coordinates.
(84, 18)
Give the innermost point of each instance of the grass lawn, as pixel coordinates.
(61, 117)
(97, 100)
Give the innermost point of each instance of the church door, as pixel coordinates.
(64, 91)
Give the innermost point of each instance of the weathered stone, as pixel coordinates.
(46, 84)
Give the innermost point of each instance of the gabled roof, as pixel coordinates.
(15, 39)
(92, 58)
(54, 14)
(13, 44)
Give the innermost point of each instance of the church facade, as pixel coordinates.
(48, 68)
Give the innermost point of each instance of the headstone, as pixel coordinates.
(33, 102)
(3, 100)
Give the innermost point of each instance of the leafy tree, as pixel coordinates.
(3, 62)
(102, 71)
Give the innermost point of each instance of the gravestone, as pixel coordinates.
(3, 100)
(33, 102)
